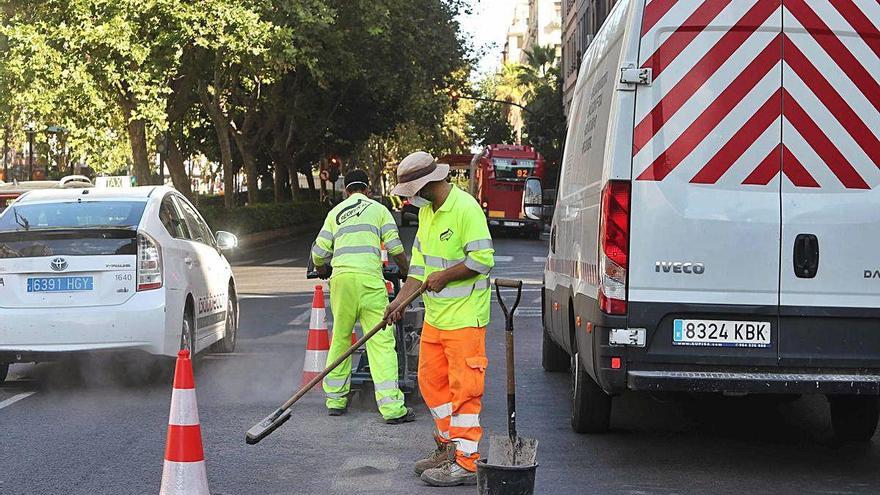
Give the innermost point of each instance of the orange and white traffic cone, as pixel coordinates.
(389, 287)
(318, 344)
(184, 471)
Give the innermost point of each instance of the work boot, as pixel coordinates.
(408, 417)
(444, 453)
(334, 411)
(449, 474)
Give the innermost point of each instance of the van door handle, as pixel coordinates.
(806, 256)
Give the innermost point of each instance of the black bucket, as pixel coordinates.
(505, 480)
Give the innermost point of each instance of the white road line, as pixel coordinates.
(539, 259)
(302, 318)
(256, 296)
(282, 261)
(15, 398)
(503, 259)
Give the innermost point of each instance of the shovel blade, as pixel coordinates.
(521, 452)
(271, 423)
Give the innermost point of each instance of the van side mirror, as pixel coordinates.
(533, 196)
(226, 240)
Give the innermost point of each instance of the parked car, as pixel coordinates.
(718, 210)
(112, 270)
(11, 190)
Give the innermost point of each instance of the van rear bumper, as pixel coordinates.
(754, 382)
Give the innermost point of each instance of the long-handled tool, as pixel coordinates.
(273, 421)
(514, 450)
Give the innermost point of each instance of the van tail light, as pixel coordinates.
(149, 263)
(614, 247)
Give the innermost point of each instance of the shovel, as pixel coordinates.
(512, 450)
(273, 421)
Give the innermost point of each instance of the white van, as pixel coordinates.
(717, 227)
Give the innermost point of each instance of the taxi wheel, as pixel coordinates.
(186, 331)
(4, 372)
(227, 344)
(854, 417)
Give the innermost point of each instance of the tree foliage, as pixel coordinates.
(265, 86)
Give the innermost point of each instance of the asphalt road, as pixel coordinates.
(94, 426)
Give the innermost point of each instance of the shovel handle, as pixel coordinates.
(511, 371)
(378, 328)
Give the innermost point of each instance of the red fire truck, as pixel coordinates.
(508, 186)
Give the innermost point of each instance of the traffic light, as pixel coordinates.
(335, 165)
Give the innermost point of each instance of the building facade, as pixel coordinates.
(581, 20)
(544, 26)
(516, 33)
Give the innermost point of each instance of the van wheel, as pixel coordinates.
(854, 417)
(590, 405)
(553, 356)
(4, 372)
(227, 343)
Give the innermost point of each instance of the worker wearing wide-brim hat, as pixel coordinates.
(453, 254)
(352, 237)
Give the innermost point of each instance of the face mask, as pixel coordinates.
(419, 202)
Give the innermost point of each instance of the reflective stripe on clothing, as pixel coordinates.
(477, 245)
(336, 383)
(465, 446)
(323, 253)
(456, 233)
(357, 250)
(393, 244)
(477, 266)
(336, 395)
(384, 401)
(388, 385)
(464, 420)
(350, 229)
(442, 411)
(461, 291)
(388, 228)
(326, 234)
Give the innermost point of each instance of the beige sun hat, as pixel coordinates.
(416, 170)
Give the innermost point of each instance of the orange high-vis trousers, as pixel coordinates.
(452, 371)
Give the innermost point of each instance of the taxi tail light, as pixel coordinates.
(149, 263)
(614, 247)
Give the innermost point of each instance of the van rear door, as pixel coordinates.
(830, 284)
(705, 221)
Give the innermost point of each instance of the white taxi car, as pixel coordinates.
(112, 269)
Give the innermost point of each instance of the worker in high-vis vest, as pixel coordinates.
(350, 241)
(452, 254)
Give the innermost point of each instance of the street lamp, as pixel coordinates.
(30, 129)
(62, 133)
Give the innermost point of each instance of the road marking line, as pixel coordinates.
(503, 259)
(299, 320)
(282, 261)
(539, 259)
(15, 398)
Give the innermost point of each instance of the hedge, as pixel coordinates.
(261, 217)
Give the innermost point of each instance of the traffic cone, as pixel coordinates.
(184, 471)
(319, 343)
(384, 254)
(389, 287)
